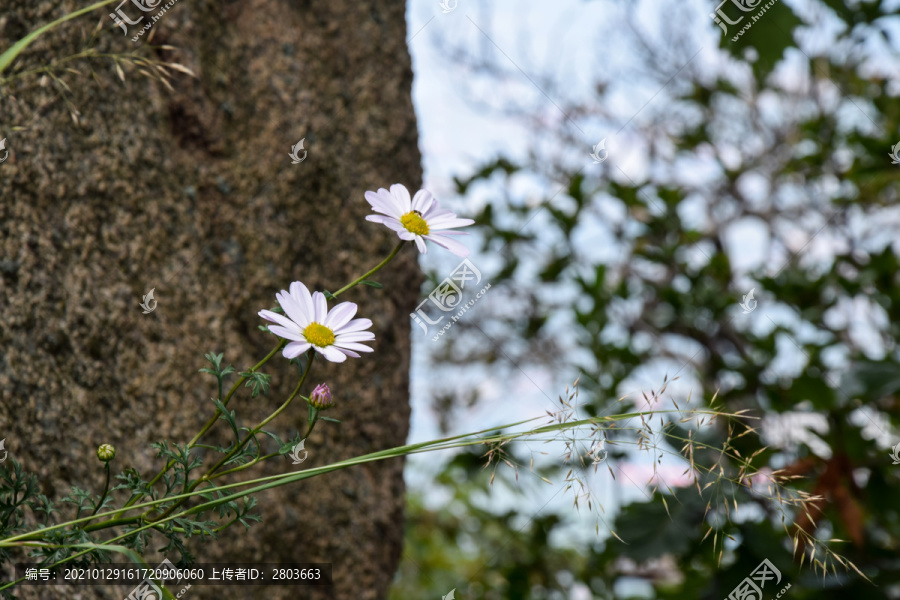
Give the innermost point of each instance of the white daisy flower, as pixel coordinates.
(419, 218)
(308, 323)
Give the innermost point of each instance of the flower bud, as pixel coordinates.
(106, 452)
(321, 397)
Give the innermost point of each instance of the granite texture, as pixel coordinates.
(191, 192)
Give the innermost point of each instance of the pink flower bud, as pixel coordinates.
(321, 397)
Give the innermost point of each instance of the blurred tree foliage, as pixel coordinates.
(785, 132)
(479, 553)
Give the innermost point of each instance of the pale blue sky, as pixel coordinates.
(578, 42)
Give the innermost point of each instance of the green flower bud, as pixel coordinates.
(106, 452)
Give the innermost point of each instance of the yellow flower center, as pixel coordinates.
(414, 223)
(318, 335)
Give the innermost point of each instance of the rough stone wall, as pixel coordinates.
(191, 192)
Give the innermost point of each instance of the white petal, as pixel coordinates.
(354, 336)
(383, 205)
(420, 244)
(355, 325)
(301, 294)
(293, 309)
(353, 346)
(406, 235)
(450, 244)
(422, 201)
(331, 353)
(394, 224)
(378, 218)
(286, 333)
(340, 315)
(436, 212)
(375, 198)
(321, 307)
(384, 199)
(448, 222)
(274, 317)
(349, 352)
(295, 349)
(401, 195)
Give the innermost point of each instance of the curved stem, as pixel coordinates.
(212, 421)
(260, 459)
(105, 490)
(13, 51)
(260, 484)
(242, 379)
(251, 434)
(112, 523)
(356, 281)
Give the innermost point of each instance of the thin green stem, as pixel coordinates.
(255, 461)
(251, 434)
(399, 451)
(349, 462)
(114, 522)
(242, 379)
(13, 51)
(441, 444)
(265, 483)
(105, 489)
(356, 281)
(264, 422)
(212, 421)
(135, 497)
(260, 459)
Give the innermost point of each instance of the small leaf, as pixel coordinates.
(227, 416)
(287, 447)
(373, 284)
(274, 437)
(258, 382)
